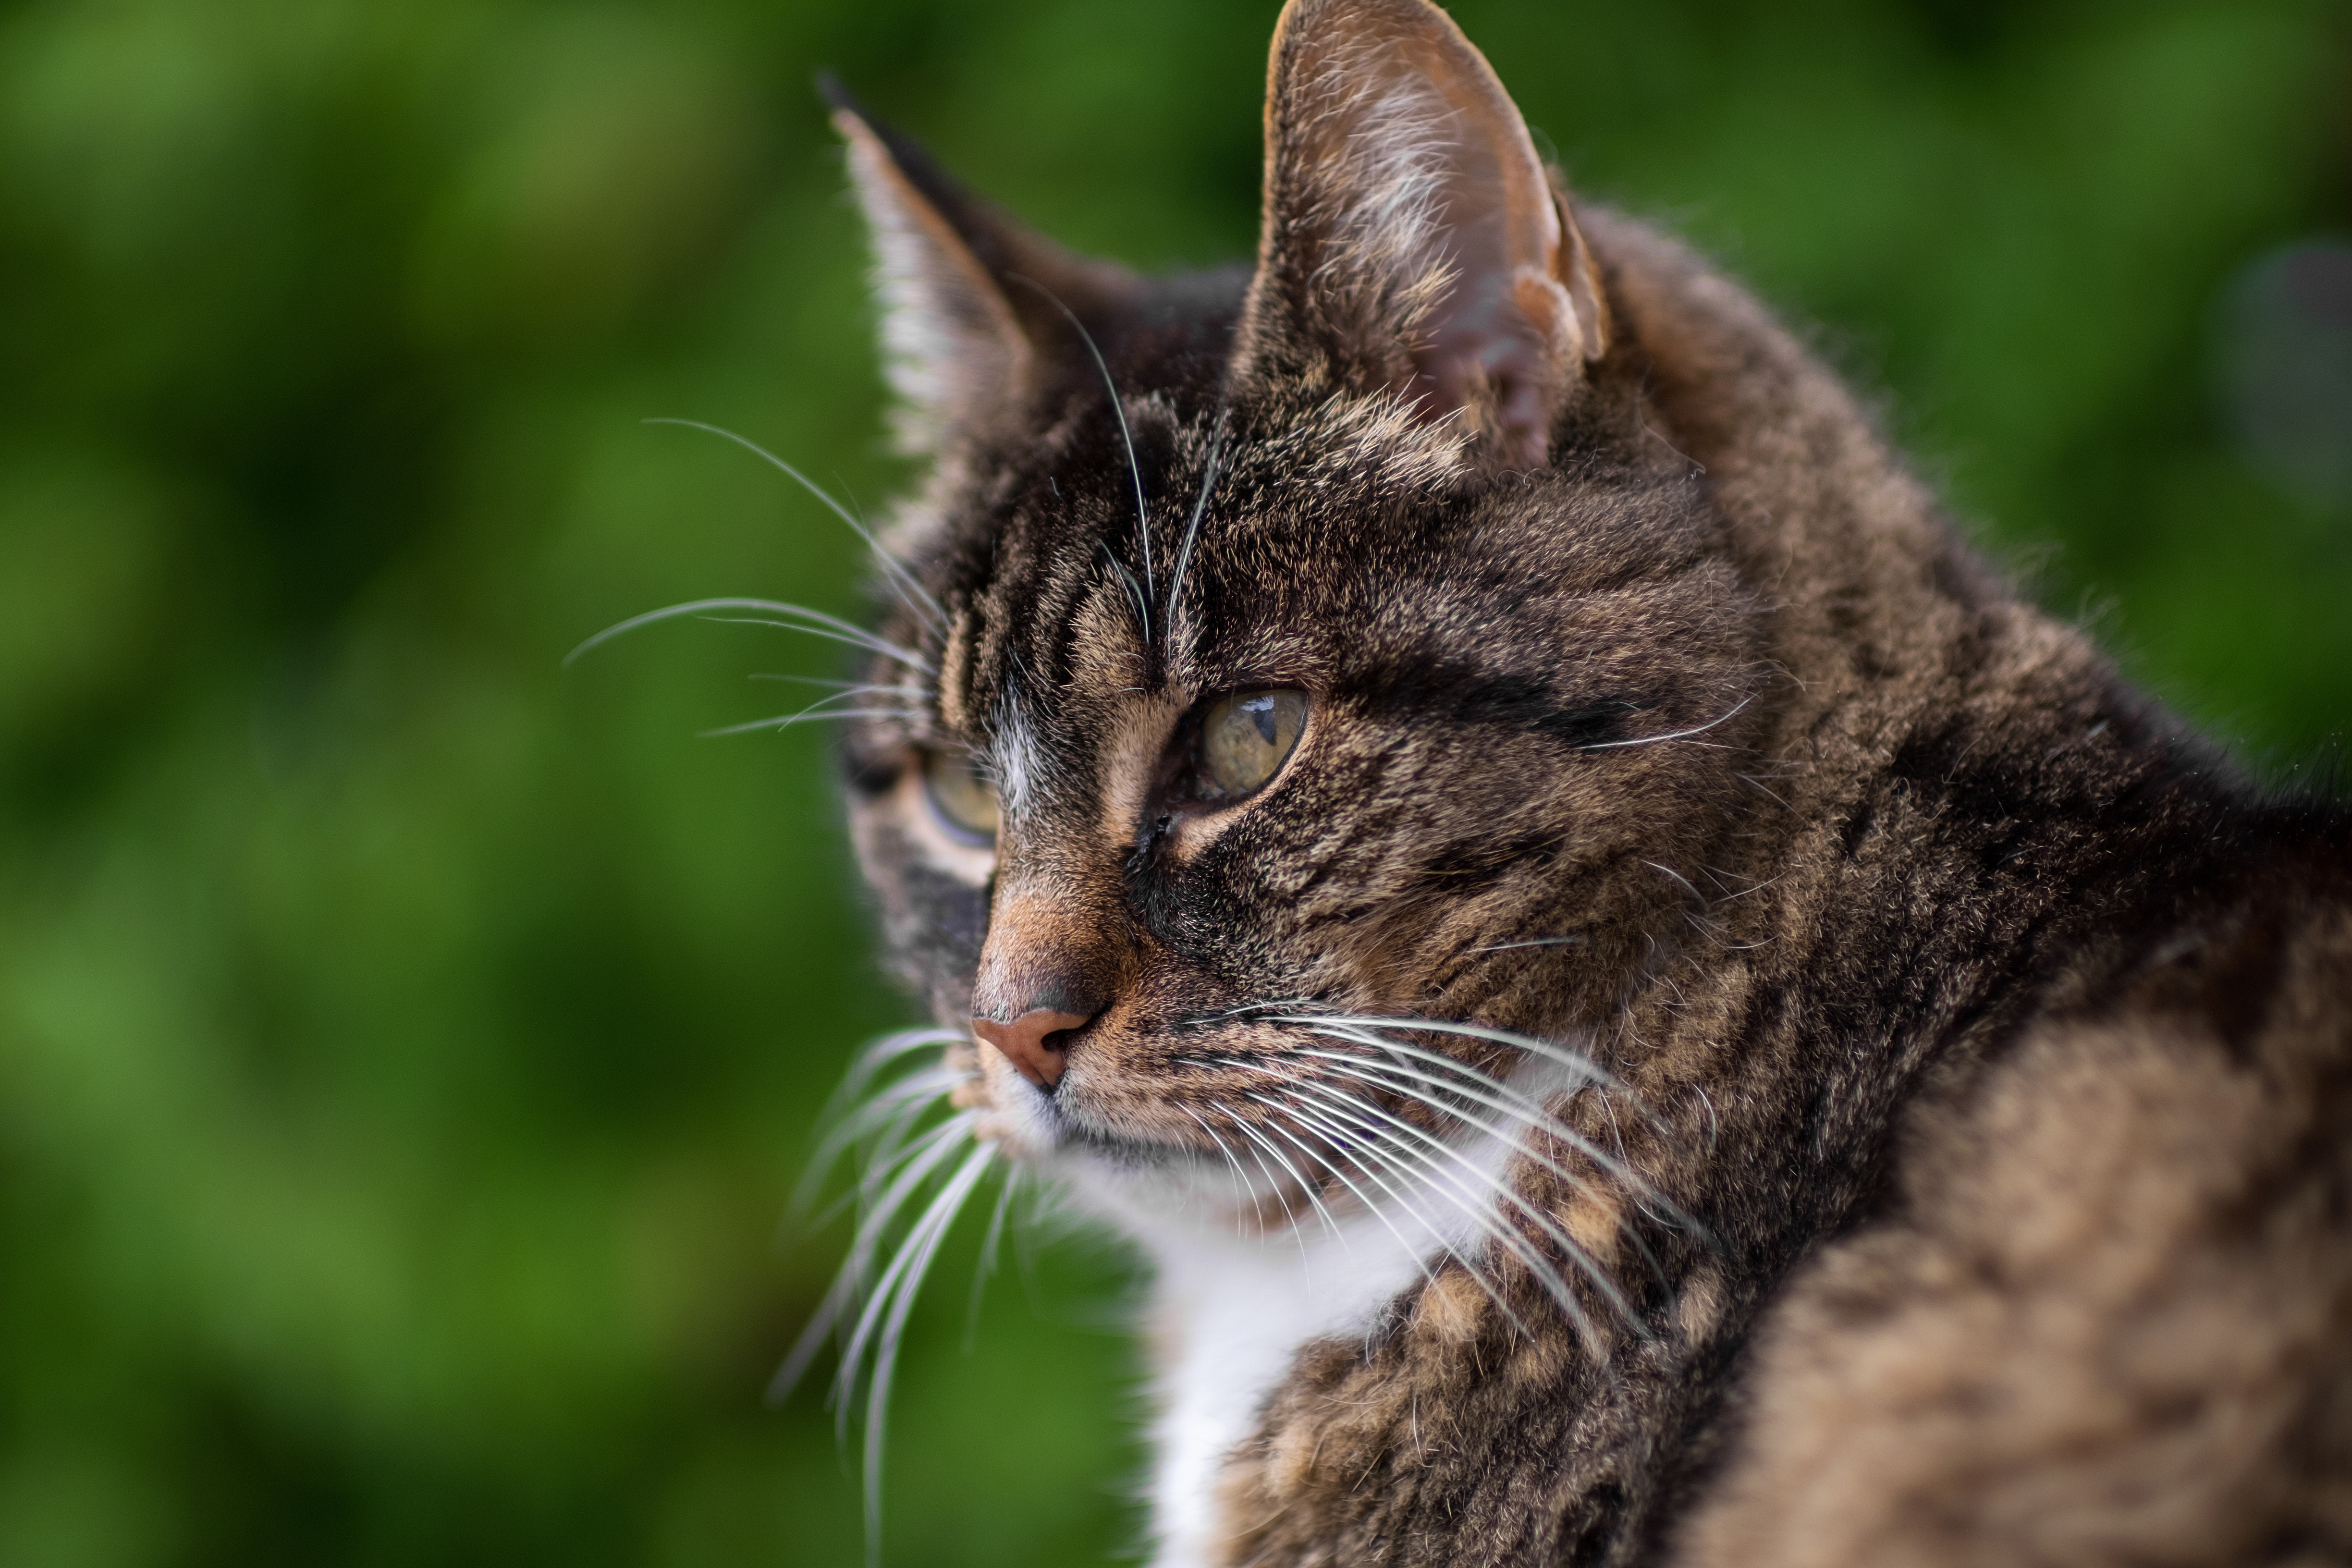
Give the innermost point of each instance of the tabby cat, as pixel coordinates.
(1643, 1006)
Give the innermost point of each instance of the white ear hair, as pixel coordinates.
(1410, 225)
(952, 344)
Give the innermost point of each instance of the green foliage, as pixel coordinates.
(406, 1045)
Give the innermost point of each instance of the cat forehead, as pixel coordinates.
(1184, 550)
(1344, 543)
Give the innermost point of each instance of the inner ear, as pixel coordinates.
(1412, 240)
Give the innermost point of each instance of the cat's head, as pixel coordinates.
(1330, 640)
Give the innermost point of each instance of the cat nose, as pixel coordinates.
(1028, 1041)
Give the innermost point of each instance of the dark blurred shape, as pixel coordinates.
(2283, 356)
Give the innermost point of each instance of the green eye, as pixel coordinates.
(964, 802)
(1246, 738)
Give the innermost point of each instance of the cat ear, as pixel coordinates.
(971, 300)
(1413, 239)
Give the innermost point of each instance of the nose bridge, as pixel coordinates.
(1058, 940)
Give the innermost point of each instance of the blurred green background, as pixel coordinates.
(406, 1045)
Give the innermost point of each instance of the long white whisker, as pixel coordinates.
(934, 1226)
(786, 721)
(827, 700)
(869, 1116)
(1483, 1089)
(1370, 1208)
(987, 1265)
(881, 1052)
(895, 571)
(1545, 1222)
(1192, 524)
(865, 639)
(1134, 469)
(863, 1069)
(892, 1151)
(1401, 1079)
(1474, 1208)
(849, 1280)
(877, 1300)
(845, 690)
(1575, 1062)
(1314, 1196)
(1387, 1076)
(1406, 1171)
(1675, 735)
(818, 624)
(1476, 1086)
(1134, 589)
(1356, 1108)
(1679, 877)
(906, 1171)
(1241, 1178)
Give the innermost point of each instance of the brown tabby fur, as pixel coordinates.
(1982, 1043)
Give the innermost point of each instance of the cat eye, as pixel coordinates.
(964, 800)
(1245, 737)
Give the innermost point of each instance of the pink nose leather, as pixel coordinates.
(1023, 1041)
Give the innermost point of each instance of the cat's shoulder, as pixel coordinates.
(2102, 1320)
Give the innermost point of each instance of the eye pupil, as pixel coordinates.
(1245, 739)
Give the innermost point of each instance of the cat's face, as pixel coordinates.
(1385, 710)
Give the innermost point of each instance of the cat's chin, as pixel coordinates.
(1125, 1176)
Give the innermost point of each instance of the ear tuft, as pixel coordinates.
(1413, 239)
(971, 300)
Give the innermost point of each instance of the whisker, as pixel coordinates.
(1584, 1065)
(1357, 1106)
(1405, 1171)
(1192, 524)
(848, 1103)
(1312, 1189)
(1679, 877)
(1400, 1080)
(1545, 1222)
(1385, 1076)
(849, 1281)
(877, 1301)
(872, 1058)
(933, 1228)
(847, 687)
(987, 1265)
(895, 571)
(1241, 1178)
(1134, 591)
(1674, 735)
(1127, 438)
(1522, 1105)
(868, 1118)
(1370, 1208)
(785, 722)
(1569, 941)
(831, 628)
(898, 1144)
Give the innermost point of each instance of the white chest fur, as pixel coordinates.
(1234, 1315)
(1230, 1312)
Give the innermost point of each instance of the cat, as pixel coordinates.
(1643, 1005)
